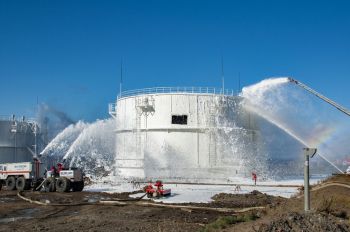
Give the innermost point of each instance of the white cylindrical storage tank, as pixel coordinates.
(180, 133)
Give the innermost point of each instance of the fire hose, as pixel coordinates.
(120, 202)
(136, 201)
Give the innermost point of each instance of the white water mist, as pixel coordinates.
(307, 119)
(90, 146)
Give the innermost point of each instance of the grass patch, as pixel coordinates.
(224, 222)
(326, 205)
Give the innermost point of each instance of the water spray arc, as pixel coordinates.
(195, 131)
(271, 100)
(329, 101)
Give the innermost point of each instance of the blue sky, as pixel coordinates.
(67, 53)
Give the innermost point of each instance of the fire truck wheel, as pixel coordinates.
(149, 195)
(78, 186)
(34, 185)
(63, 184)
(21, 184)
(11, 183)
(49, 184)
(0, 185)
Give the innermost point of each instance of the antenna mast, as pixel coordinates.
(121, 77)
(239, 82)
(36, 128)
(222, 75)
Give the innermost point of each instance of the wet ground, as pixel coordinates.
(18, 215)
(331, 207)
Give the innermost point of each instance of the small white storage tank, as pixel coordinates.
(180, 133)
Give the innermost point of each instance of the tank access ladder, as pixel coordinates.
(212, 132)
(144, 106)
(112, 109)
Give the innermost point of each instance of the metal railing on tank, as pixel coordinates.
(195, 90)
(5, 117)
(19, 119)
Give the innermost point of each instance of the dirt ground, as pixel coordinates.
(330, 212)
(18, 215)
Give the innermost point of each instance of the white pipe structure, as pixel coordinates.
(307, 153)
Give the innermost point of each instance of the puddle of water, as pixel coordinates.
(24, 214)
(6, 199)
(13, 219)
(65, 214)
(95, 198)
(27, 212)
(92, 200)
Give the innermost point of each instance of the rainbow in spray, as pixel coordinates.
(301, 115)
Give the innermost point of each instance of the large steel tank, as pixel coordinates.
(17, 139)
(182, 133)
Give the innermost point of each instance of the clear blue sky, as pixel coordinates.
(67, 53)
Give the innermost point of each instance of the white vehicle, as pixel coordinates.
(21, 176)
(27, 175)
(64, 180)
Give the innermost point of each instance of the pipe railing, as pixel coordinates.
(5, 117)
(157, 90)
(18, 119)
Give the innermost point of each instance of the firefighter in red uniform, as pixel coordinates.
(254, 177)
(159, 185)
(53, 171)
(59, 167)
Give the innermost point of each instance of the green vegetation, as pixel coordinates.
(224, 222)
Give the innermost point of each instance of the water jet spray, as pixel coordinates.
(271, 104)
(329, 101)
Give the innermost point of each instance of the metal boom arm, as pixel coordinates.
(329, 101)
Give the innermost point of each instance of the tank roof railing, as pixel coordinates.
(157, 90)
(5, 117)
(18, 119)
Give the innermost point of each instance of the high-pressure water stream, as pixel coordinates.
(282, 105)
(256, 103)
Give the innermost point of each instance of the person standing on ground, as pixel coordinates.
(254, 177)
